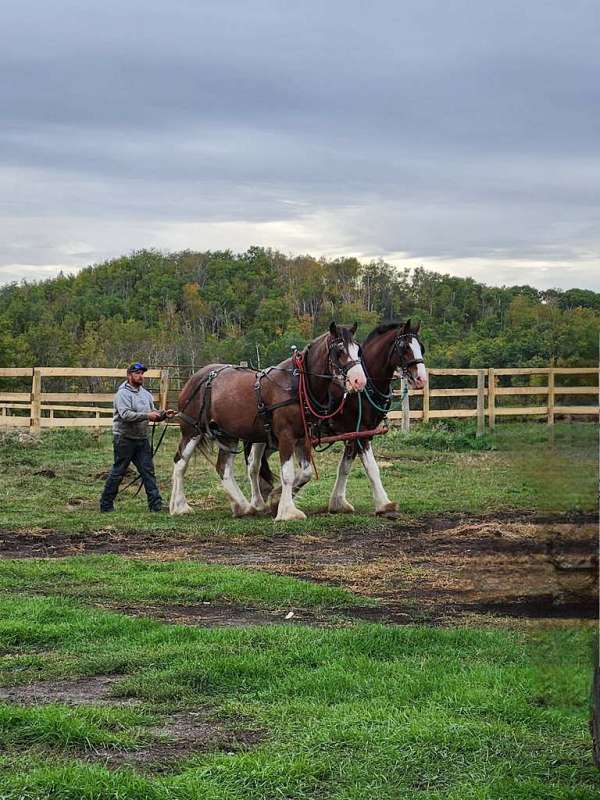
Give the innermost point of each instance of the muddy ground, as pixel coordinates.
(433, 571)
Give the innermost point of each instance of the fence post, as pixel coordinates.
(551, 397)
(491, 398)
(405, 406)
(481, 402)
(163, 392)
(36, 401)
(426, 399)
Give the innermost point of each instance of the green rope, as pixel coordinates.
(374, 404)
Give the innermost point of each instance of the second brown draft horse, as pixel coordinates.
(222, 404)
(390, 351)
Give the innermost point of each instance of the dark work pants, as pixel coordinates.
(126, 451)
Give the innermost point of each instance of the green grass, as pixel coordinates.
(439, 469)
(113, 578)
(369, 711)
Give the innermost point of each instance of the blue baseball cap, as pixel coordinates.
(137, 367)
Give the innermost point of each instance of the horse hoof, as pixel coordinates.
(291, 514)
(341, 507)
(389, 510)
(179, 511)
(243, 511)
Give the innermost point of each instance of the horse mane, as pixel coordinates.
(383, 328)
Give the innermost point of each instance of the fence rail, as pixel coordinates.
(38, 409)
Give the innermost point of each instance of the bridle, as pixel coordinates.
(400, 344)
(336, 347)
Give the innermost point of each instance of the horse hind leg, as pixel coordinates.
(239, 505)
(178, 503)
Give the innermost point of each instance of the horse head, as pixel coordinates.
(407, 352)
(343, 355)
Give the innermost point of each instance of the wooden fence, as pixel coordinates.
(36, 409)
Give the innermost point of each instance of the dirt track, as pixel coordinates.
(433, 571)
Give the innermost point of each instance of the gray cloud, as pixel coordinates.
(430, 131)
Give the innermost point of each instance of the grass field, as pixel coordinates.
(101, 705)
(56, 482)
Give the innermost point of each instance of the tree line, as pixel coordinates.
(198, 307)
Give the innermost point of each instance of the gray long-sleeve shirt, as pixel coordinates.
(131, 407)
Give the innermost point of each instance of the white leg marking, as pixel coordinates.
(178, 503)
(305, 473)
(239, 505)
(337, 502)
(372, 470)
(287, 509)
(256, 453)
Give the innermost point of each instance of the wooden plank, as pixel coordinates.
(453, 412)
(396, 416)
(480, 403)
(576, 390)
(519, 412)
(91, 409)
(492, 398)
(77, 397)
(576, 370)
(426, 396)
(14, 422)
(36, 391)
(445, 371)
(551, 398)
(16, 372)
(164, 388)
(512, 390)
(90, 372)
(76, 422)
(453, 392)
(411, 392)
(25, 397)
(17, 406)
(523, 371)
(576, 409)
(405, 406)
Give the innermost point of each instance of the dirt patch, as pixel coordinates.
(95, 689)
(178, 736)
(434, 570)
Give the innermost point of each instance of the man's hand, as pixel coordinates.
(155, 416)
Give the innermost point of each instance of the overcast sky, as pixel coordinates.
(459, 135)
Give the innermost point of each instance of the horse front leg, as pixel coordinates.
(287, 509)
(240, 507)
(254, 463)
(337, 502)
(178, 503)
(383, 504)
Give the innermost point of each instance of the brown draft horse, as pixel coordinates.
(390, 351)
(222, 404)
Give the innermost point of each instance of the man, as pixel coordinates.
(133, 410)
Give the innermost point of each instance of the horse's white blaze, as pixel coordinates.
(337, 501)
(417, 353)
(356, 380)
(287, 509)
(254, 459)
(178, 503)
(239, 502)
(372, 469)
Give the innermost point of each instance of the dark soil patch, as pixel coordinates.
(95, 689)
(178, 737)
(436, 569)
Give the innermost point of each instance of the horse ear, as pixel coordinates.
(417, 327)
(354, 328)
(333, 329)
(406, 328)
